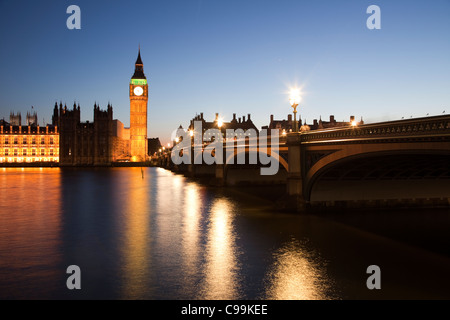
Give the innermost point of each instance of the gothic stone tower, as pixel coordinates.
(138, 112)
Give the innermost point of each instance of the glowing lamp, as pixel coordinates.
(294, 97)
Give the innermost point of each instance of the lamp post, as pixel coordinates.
(294, 100)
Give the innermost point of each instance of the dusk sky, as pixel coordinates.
(227, 56)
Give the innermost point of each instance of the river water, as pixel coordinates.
(151, 234)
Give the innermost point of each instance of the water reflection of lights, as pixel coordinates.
(191, 233)
(135, 246)
(222, 272)
(30, 228)
(296, 275)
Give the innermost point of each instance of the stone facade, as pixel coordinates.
(85, 143)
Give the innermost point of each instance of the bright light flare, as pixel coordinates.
(219, 122)
(354, 123)
(294, 97)
(191, 133)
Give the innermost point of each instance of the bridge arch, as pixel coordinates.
(397, 162)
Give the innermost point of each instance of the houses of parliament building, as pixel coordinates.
(28, 143)
(70, 142)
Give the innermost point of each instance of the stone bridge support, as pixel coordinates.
(295, 173)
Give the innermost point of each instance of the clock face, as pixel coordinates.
(138, 91)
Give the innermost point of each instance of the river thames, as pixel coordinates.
(152, 234)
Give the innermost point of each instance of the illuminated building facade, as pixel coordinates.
(28, 143)
(138, 112)
(70, 142)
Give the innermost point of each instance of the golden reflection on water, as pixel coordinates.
(221, 271)
(296, 275)
(135, 249)
(168, 219)
(191, 232)
(30, 222)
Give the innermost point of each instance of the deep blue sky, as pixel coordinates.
(227, 56)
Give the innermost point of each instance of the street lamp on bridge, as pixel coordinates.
(294, 100)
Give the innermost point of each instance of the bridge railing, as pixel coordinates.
(411, 127)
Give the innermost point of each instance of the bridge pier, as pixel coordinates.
(220, 175)
(191, 170)
(295, 178)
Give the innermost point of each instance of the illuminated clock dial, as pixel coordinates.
(138, 91)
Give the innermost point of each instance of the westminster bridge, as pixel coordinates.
(405, 161)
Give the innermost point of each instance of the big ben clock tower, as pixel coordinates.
(138, 112)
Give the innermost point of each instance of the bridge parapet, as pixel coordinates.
(421, 127)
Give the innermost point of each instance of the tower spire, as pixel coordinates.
(139, 60)
(139, 67)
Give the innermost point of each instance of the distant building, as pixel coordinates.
(288, 125)
(15, 119)
(32, 119)
(317, 125)
(29, 143)
(236, 123)
(281, 125)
